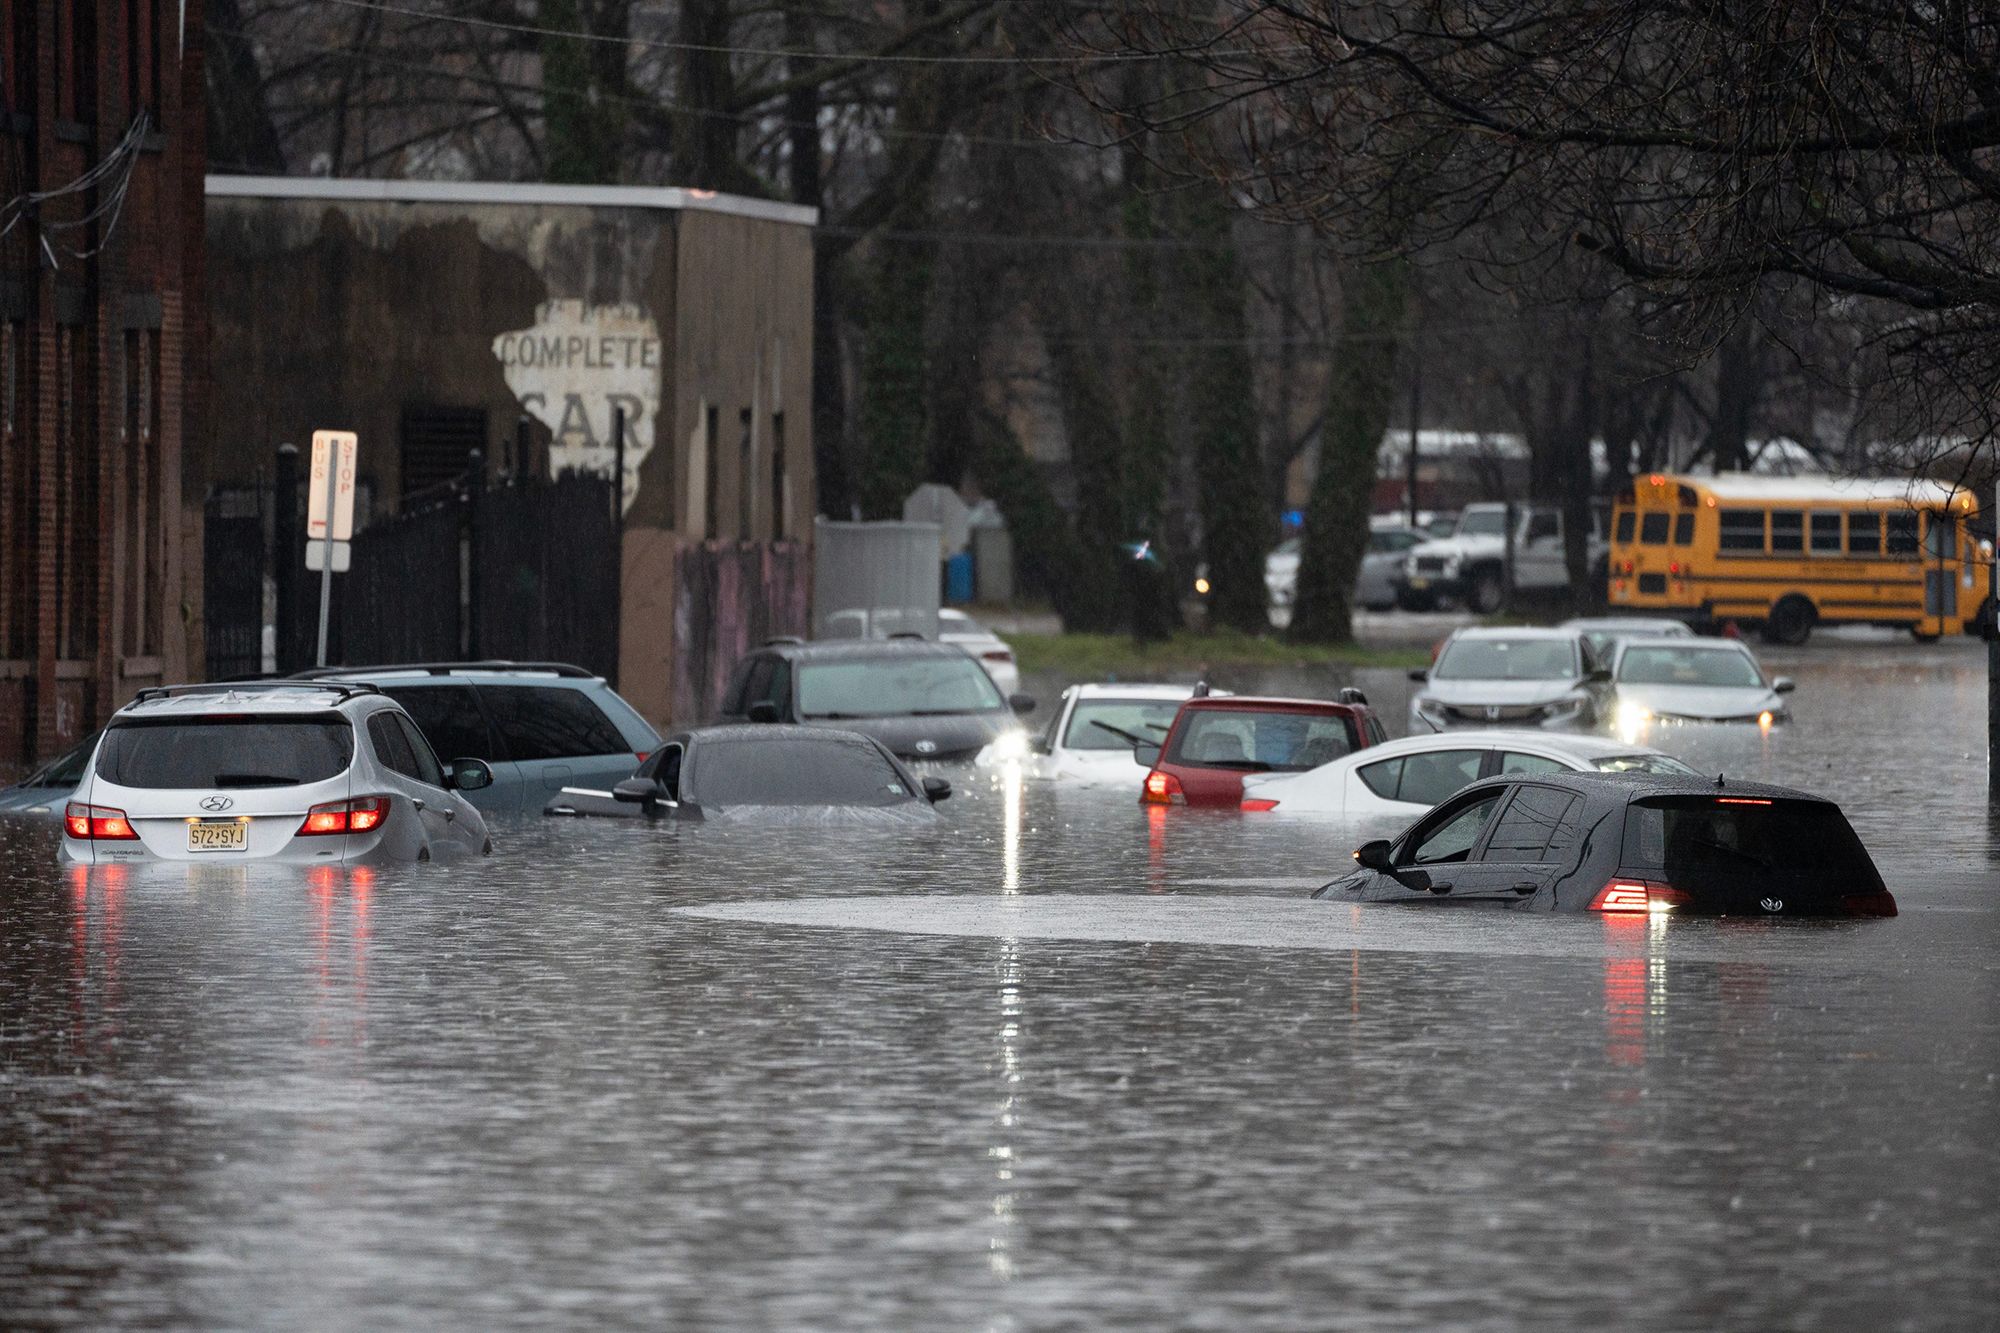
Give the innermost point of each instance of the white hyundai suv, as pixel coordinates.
(294, 772)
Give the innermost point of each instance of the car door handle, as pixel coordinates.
(1526, 886)
(1440, 886)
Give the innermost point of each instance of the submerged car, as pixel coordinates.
(1410, 775)
(1604, 632)
(1514, 678)
(922, 700)
(1090, 739)
(1625, 843)
(299, 772)
(756, 769)
(1694, 680)
(953, 626)
(42, 793)
(1216, 740)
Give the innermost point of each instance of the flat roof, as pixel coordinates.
(353, 190)
(1756, 486)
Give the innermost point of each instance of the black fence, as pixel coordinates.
(234, 541)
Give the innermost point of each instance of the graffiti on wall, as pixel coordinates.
(574, 369)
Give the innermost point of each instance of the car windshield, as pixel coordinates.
(1114, 724)
(1640, 763)
(66, 769)
(255, 750)
(1257, 742)
(1483, 523)
(1506, 659)
(1688, 666)
(891, 687)
(834, 771)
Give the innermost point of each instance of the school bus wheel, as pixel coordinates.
(1791, 620)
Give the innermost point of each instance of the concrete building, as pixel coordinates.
(435, 317)
(102, 153)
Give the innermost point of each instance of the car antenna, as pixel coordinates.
(1718, 779)
(1201, 689)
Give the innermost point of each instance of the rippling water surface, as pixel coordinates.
(1057, 1061)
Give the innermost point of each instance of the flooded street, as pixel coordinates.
(1059, 1061)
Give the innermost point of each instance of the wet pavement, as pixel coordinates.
(1057, 1062)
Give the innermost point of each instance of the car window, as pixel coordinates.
(1114, 724)
(428, 768)
(1483, 523)
(1703, 842)
(1539, 822)
(1541, 527)
(1382, 777)
(665, 765)
(895, 687)
(733, 696)
(1624, 528)
(1513, 763)
(1429, 778)
(1506, 659)
(66, 769)
(1727, 667)
(835, 770)
(392, 748)
(1258, 742)
(1683, 529)
(1454, 837)
(257, 750)
(544, 722)
(449, 717)
(1640, 763)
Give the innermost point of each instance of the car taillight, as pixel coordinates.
(1257, 805)
(356, 816)
(99, 822)
(1638, 895)
(1162, 789)
(1880, 903)
(997, 655)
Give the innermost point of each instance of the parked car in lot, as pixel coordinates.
(922, 700)
(1694, 680)
(1374, 587)
(1216, 740)
(1513, 678)
(954, 626)
(1090, 738)
(42, 793)
(299, 772)
(760, 771)
(1625, 843)
(1470, 566)
(540, 726)
(1604, 632)
(1408, 776)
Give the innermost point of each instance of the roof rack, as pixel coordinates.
(783, 640)
(345, 689)
(566, 669)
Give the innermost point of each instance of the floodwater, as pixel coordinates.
(1055, 1062)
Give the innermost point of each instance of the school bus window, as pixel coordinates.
(1826, 534)
(1788, 528)
(1684, 529)
(1941, 538)
(1864, 534)
(1901, 539)
(1653, 528)
(1742, 530)
(1624, 525)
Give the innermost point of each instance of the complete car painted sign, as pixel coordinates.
(574, 369)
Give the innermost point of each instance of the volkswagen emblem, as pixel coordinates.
(926, 747)
(215, 805)
(1771, 904)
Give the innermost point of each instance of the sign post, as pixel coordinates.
(330, 516)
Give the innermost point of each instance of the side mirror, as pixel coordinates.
(763, 711)
(1420, 675)
(470, 774)
(1375, 855)
(1146, 753)
(937, 789)
(640, 791)
(1783, 685)
(1022, 704)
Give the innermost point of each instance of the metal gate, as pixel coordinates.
(232, 595)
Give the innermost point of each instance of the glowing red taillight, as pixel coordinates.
(97, 822)
(1162, 789)
(1258, 805)
(1638, 895)
(997, 655)
(356, 816)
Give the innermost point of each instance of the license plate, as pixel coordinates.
(221, 835)
(1420, 583)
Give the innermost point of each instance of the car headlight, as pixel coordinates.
(1567, 706)
(1633, 717)
(1008, 745)
(1430, 707)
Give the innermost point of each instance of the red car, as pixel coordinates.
(1215, 741)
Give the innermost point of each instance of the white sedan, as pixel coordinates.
(1409, 776)
(1693, 680)
(991, 650)
(1090, 739)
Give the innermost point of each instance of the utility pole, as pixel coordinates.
(1416, 419)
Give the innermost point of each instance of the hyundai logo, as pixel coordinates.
(216, 804)
(926, 747)
(1771, 904)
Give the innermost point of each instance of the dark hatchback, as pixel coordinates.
(760, 771)
(923, 700)
(1625, 842)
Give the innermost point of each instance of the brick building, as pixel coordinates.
(101, 157)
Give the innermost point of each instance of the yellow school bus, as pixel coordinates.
(1785, 553)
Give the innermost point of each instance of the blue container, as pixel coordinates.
(958, 579)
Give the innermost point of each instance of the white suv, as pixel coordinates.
(301, 773)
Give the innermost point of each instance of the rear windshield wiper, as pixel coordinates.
(1120, 732)
(254, 780)
(944, 712)
(837, 717)
(1245, 765)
